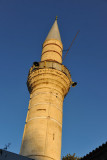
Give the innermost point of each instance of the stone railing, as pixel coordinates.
(52, 65)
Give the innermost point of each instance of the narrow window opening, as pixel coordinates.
(41, 109)
(53, 136)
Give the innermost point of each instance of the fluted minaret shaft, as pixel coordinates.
(48, 83)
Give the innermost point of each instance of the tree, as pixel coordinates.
(70, 157)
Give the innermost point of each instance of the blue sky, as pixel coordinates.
(24, 25)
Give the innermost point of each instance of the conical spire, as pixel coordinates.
(54, 32)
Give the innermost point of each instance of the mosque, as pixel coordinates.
(48, 83)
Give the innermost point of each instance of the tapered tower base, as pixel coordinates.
(43, 129)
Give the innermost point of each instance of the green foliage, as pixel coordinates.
(70, 157)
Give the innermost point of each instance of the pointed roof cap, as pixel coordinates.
(54, 32)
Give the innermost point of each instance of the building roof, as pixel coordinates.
(11, 156)
(99, 153)
(54, 32)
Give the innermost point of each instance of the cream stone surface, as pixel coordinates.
(52, 50)
(48, 84)
(43, 129)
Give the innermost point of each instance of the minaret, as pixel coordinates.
(48, 83)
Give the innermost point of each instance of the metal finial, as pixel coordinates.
(56, 18)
